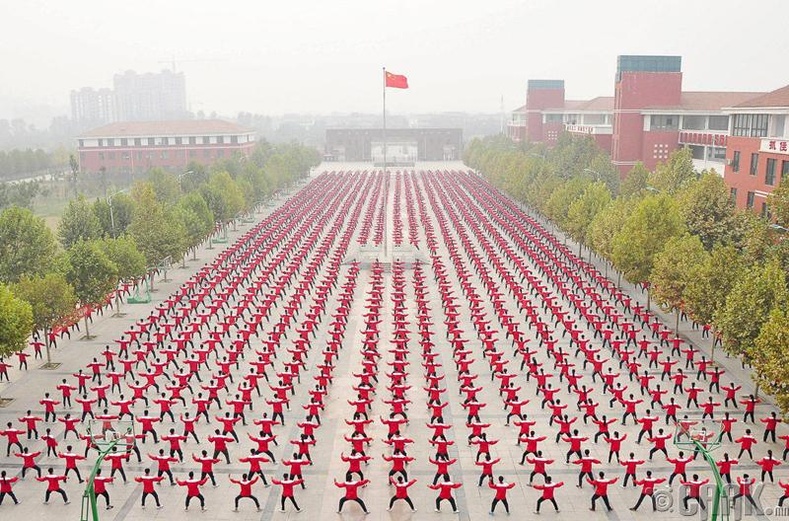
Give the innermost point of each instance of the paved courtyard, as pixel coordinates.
(289, 282)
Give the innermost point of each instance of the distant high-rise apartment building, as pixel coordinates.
(150, 96)
(92, 107)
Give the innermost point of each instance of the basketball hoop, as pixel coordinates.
(106, 434)
(698, 434)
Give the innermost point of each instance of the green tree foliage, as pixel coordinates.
(606, 223)
(91, 273)
(572, 154)
(635, 182)
(583, 210)
(51, 298)
(197, 217)
(778, 202)
(114, 214)
(708, 209)
(123, 252)
(156, 231)
(26, 244)
(18, 163)
(20, 194)
(16, 322)
(711, 281)
(563, 196)
(165, 185)
(673, 270)
(771, 357)
(225, 199)
(673, 175)
(78, 222)
(654, 221)
(754, 295)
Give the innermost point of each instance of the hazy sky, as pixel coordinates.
(275, 56)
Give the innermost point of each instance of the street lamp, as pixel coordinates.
(779, 228)
(652, 189)
(112, 215)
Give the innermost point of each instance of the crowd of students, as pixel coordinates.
(238, 344)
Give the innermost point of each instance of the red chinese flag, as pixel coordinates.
(396, 81)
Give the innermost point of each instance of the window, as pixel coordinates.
(124, 142)
(693, 122)
(110, 142)
(220, 140)
(111, 156)
(697, 151)
(192, 140)
(754, 163)
(81, 143)
(234, 140)
(163, 141)
(765, 211)
(150, 141)
(750, 125)
(179, 141)
(101, 142)
(784, 169)
(735, 161)
(769, 176)
(749, 201)
(126, 156)
(733, 195)
(206, 140)
(717, 154)
(719, 123)
(553, 118)
(101, 156)
(664, 123)
(137, 141)
(164, 154)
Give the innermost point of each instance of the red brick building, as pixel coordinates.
(757, 154)
(133, 147)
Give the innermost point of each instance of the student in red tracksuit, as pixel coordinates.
(694, 491)
(601, 489)
(53, 485)
(768, 463)
(245, 484)
(548, 489)
(100, 487)
(6, 485)
(149, 486)
(351, 493)
(193, 490)
(29, 461)
(401, 492)
(648, 489)
(445, 493)
(785, 487)
(745, 483)
(288, 483)
(501, 489)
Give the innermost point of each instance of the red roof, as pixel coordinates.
(776, 98)
(598, 104)
(708, 101)
(187, 127)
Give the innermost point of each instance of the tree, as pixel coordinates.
(635, 182)
(157, 233)
(771, 358)
(197, 218)
(51, 298)
(129, 260)
(606, 223)
(711, 282)
(754, 295)
(708, 209)
(674, 174)
(778, 202)
(74, 165)
(92, 275)
(165, 186)
(16, 322)
(114, 214)
(26, 244)
(78, 222)
(583, 210)
(674, 269)
(652, 223)
(562, 197)
(223, 196)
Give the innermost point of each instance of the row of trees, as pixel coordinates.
(44, 276)
(674, 230)
(17, 162)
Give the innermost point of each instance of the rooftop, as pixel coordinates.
(776, 98)
(166, 128)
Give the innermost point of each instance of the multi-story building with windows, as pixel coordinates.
(150, 96)
(757, 154)
(91, 107)
(136, 146)
(743, 136)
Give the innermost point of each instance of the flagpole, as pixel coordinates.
(386, 177)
